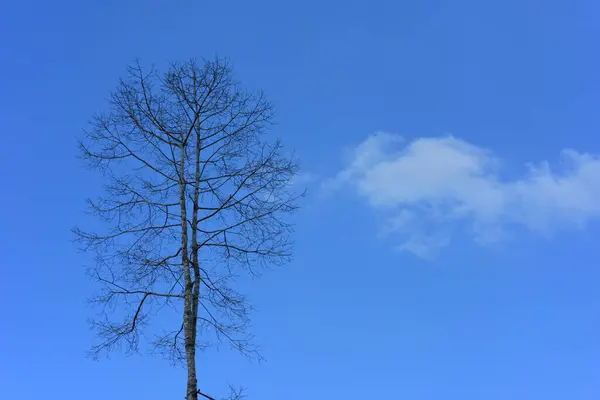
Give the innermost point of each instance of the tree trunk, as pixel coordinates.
(195, 246)
(189, 322)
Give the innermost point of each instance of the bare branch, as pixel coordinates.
(195, 195)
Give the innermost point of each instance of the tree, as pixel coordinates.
(195, 193)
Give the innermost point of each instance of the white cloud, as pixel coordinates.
(428, 188)
(303, 179)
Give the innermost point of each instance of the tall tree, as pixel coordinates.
(195, 193)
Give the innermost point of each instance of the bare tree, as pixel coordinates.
(195, 194)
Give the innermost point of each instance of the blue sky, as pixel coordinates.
(446, 250)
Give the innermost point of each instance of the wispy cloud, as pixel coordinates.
(428, 188)
(303, 179)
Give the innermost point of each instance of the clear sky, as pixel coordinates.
(448, 247)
